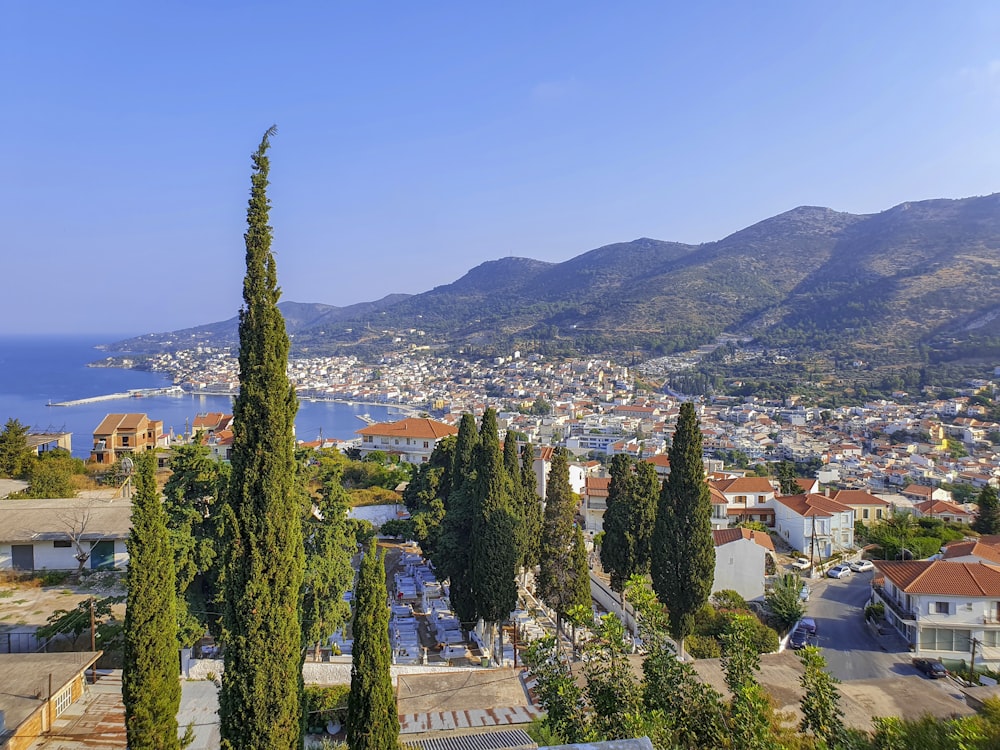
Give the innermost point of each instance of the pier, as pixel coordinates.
(174, 390)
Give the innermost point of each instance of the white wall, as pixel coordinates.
(740, 566)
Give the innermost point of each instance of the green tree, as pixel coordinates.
(786, 478)
(556, 579)
(328, 571)
(151, 688)
(190, 499)
(493, 560)
(683, 552)
(558, 691)
(51, 475)
(785, 601)
(15, 455)
(629, 519)
(530, 531)
(372, 719)
(988, 519)
(260, 701)
(820, 703)
(456, 528)
(750, 714)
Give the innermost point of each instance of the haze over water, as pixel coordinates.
(37, 370)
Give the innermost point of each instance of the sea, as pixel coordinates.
(37, 371)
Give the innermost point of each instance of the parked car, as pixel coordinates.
(804, 592)
(809, 624)
(801, 563)
(931, 667)
(862, 566)
(800, 638)
(839, 571)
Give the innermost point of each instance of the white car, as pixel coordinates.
(839, 571)
(801, 563)
(862, 566)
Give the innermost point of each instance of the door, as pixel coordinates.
(22, 556)
(102, 555)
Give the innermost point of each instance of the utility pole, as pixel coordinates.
(93, 643)
(972, 664)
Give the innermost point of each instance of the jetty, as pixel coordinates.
(173, 390)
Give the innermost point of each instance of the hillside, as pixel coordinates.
(917, 281)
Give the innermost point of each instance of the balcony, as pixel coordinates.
(898, 609)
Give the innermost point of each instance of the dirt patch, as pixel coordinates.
(26, 604)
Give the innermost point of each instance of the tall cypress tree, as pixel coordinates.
(260, 701)
(456, 528)
(988, 519)
(556, 579)
(151, 688)
(531, 510)
(494, 553)
(372, 718)
(618, 547)
(683, 552)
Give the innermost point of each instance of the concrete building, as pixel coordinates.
(412, 439)
(119, 435)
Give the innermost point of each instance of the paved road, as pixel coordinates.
(852, 652)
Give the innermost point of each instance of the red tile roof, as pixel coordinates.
(411, 427)
(726, 536)
(858, 497)
(748, 485)
(942, 577)
(812, 505)
(987, 548)
(941, 507)
(596, 486)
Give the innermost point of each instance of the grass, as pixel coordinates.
(19, 601)
(6, 594)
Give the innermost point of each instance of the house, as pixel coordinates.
(814, 524)
(947, 512)
(40, 442)
(595, 502)
(119, 435)
(920, 492)
(661, 463)
(52, 534)
(212, 422)
(740, 560)
(985, 549)
(867, 507)
(37, 689)
(720, 508)
(748, 499)
(942, 607)
(412, 439)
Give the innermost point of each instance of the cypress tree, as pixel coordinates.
(580, 593)
(494, 553)
(260, 701)
(683, 552)
(372, 718)
(151, 688)
(618, 547)
(556, 578)
(456, 528)
(531, 510)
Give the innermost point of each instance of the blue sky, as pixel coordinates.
(417, 140)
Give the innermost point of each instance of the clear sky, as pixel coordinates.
(417, 140)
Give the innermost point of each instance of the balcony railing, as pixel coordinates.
(898, 609)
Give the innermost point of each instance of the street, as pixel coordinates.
(852, 652)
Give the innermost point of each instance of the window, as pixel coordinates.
(63, 699)
(125, 440)
(741, 499)
(878, 513)
(990, 638)
(864, 513)
(369, 439)
(941, 608)
(943, 639)
(62, 543)
(427, 444)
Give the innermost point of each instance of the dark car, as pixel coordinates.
(931, 667)
(800, 638)
(809, 624)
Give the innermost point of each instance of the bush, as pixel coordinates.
(325, 704)
(728, 599)
(875, 612)
(398, 527)
(702, 646)
(52, 577)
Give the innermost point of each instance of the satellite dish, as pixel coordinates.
(127, 466)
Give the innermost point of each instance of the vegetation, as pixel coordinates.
(372, 721)
(784, 601)
(557, 584)
(151, 689)
(629, 519)
(821, 712)
(260, 700)
(453, 558)
(988, 520)
(15, 455)
(683, 553)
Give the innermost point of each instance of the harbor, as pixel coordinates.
(174, 390)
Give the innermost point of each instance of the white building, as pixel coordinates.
(814, 524)
(411, 439)
(740, 560)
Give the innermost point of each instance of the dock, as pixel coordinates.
(173, 390)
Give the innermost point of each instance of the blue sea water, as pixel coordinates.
(39, 370)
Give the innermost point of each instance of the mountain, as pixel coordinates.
(918, 280)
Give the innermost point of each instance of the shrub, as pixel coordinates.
(702, 646)
(325, 704)
(728, 599)
(875, 611)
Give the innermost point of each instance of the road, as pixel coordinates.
(852, 652)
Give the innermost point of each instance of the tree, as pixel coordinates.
(493, 559)
(988, 519)
(456, 528)
(372, 720)
(51, 475)
(15, 455)
(629, 519)
(683, 552)
(750, 713)
(531, 510)
(556, 580)
(820, 703)
(786, 478)
(151, 689)
(784, 599)
(260, 701)
(557, 690)
(328, 571)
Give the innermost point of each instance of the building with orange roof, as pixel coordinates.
(947, 512)
(121, 434)
(814, 524)
(595, 501)
(412, 439)
(942, 607)
(748, 499)
(741, 561)
(867, 507)
(985, 549)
